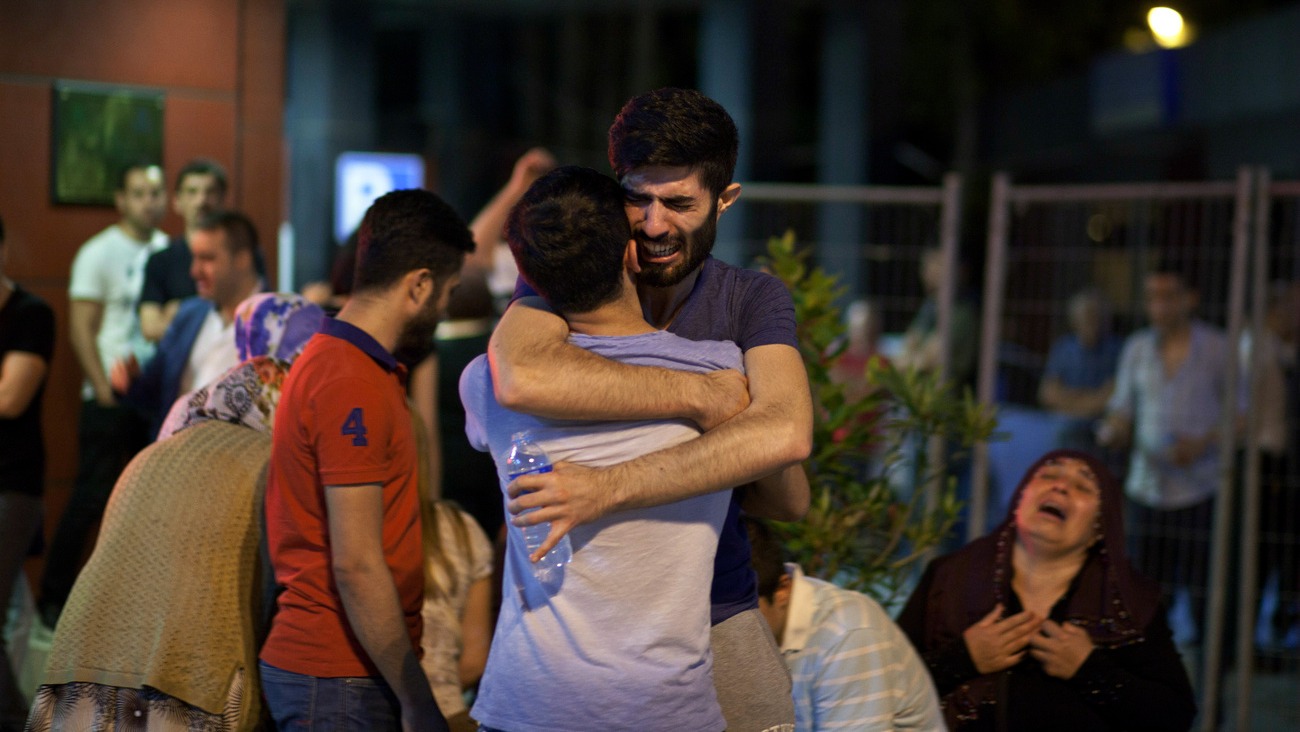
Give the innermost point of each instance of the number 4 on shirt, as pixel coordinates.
(355, 427)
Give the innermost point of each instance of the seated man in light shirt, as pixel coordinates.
(852, 667)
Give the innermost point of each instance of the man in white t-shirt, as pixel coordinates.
(620, 639)
(104, 286)
(199, 344)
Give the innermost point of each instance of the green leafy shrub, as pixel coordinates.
(879, 504)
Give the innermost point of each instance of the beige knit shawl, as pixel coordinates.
(170, 596)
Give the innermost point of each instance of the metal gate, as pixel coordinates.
(1230, 240)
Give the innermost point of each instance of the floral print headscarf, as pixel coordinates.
(270, 332)
(276, 325)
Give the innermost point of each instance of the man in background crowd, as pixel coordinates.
(103, 289)
(199, 344)
(26, 347)
(1168, 406)
(1080, 373)
(200, 189)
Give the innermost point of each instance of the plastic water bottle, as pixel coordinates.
(524, 457)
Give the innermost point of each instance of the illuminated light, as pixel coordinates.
(1098, 228)
(1168, 28)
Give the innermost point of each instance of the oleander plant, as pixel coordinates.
(880, 504)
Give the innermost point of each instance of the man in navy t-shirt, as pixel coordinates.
(674, 152)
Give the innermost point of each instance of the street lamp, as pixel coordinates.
(1168, 28)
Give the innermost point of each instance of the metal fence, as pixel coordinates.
(1230, 240)
(1267, 577)
(877, 240)
(1232, 569)
(873, 238)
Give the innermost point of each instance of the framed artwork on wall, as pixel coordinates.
(99, 129)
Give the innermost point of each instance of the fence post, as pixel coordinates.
(1248, 597)
(1213, 632)
(949, 221)
(995, 272)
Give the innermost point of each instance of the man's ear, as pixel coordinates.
(728, 197)
(781, 597)
(243, 260)
(419, 285)
(630, 259)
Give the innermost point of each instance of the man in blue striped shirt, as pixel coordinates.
(851, 666)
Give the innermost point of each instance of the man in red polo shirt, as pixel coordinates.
(342, 501)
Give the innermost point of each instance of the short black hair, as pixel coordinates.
(204, 166)
(407, 230)
(569, 233)
(675, 127)
(1169, 265)
(125, 171)
(241, 235)
(768, 556)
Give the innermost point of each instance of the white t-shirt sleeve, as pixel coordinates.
(87, 281)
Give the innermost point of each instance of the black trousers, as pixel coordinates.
(108, 437)
(1172, 547)
(1279, 535)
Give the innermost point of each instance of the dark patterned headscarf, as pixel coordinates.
(1107, 598)
(270, 331)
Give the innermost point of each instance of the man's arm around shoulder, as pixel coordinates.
(773, 435)
(537, 371)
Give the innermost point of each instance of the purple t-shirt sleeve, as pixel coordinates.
(747, 307)
(523, 289)
(767, 315)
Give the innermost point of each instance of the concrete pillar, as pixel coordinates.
(570, 86)
(441, 109)
(725, 63)
(842, 141)
(641, 49)
(328, 109)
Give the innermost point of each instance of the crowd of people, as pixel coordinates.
(1158, 407)
(277, 547)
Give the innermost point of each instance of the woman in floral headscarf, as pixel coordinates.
(270, 331)
(1044, 624)
(162, 629)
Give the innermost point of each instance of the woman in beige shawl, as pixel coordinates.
(162, 628)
